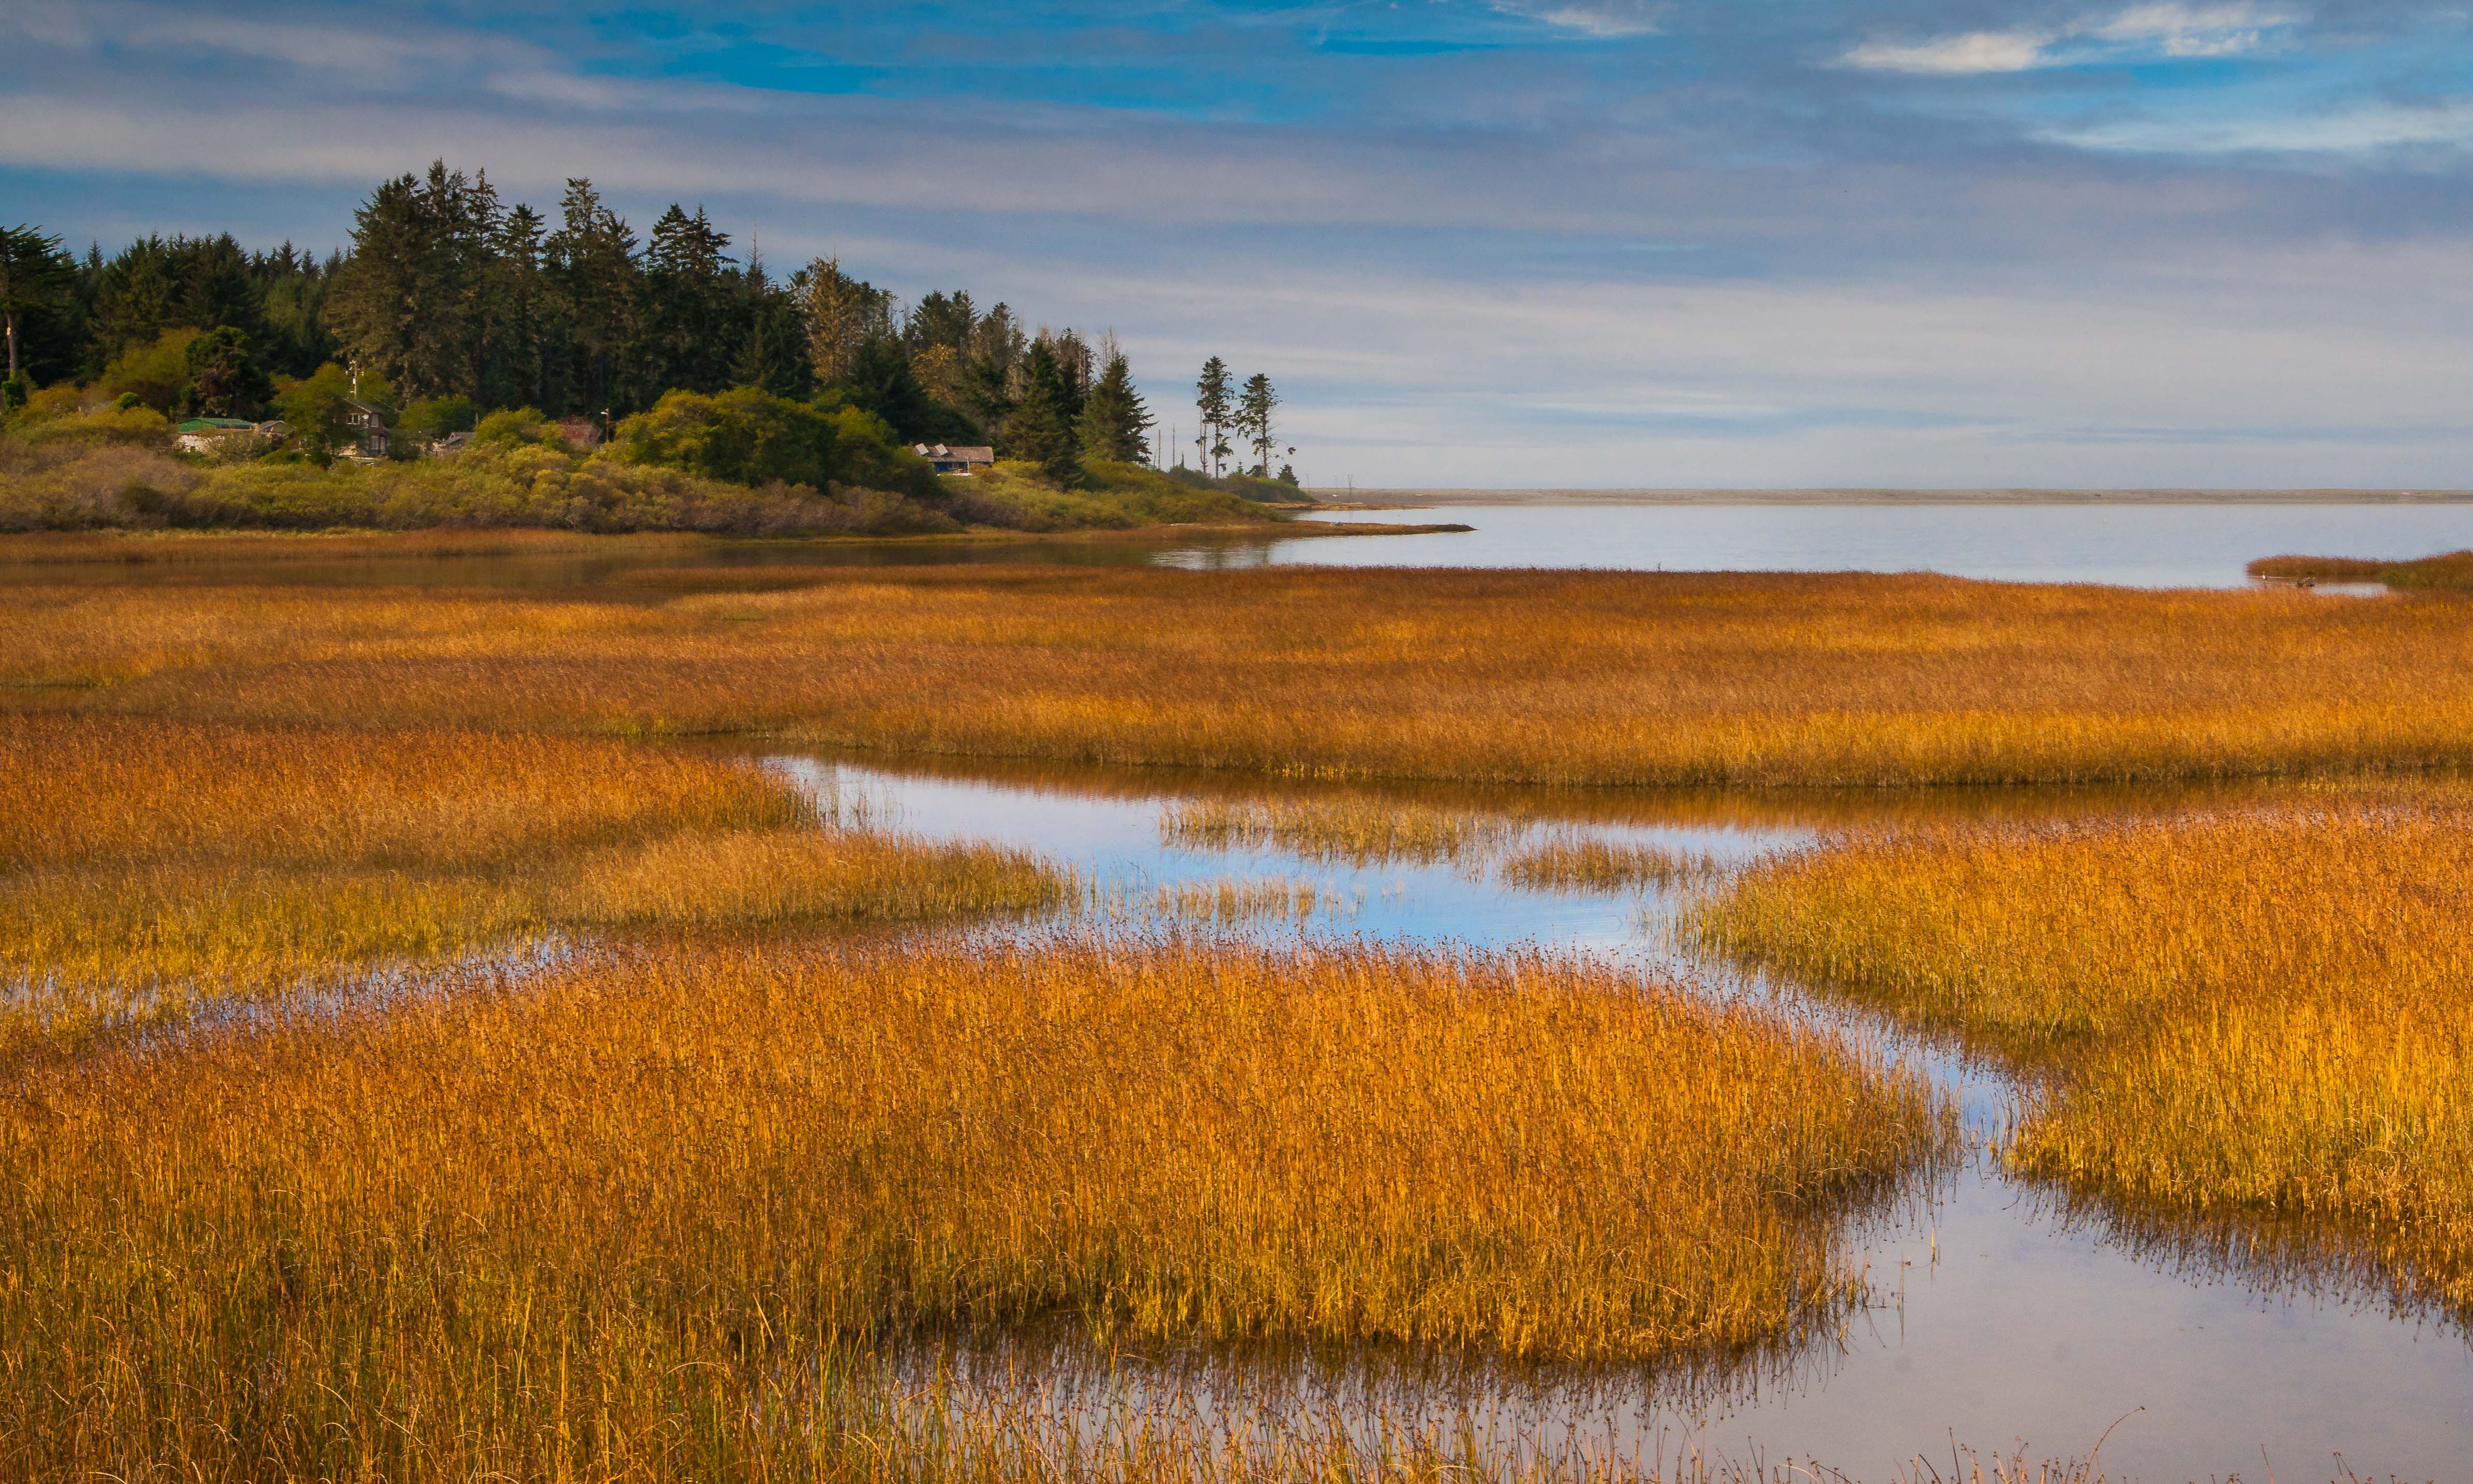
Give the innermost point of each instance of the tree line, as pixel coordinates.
(454, 301)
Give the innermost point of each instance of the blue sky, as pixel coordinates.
(1532, 241)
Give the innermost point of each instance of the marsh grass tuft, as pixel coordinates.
(1358, 830)
(622, 1218)
(1586, 864)
(2449, 570)
(147, 867)
(2268, 1010)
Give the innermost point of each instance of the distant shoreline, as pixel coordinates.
(1413, 499)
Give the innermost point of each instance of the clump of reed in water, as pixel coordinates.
(1587, 864)
(624, 1218)
(1359, 830)
(1246, 899)
(2268, 1011)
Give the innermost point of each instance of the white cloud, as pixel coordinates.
(1974, 52)
(2195, 29)
(1592, 18)
(2167, 29)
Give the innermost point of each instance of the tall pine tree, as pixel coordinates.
(592, 258)
(1042, 428)
(1212, 398)
(1114, 421)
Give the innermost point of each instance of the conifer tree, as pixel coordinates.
(1254, 422)
(1212, 399)
(1114, 421)
(692, 331)
(1042, 430)
(35, 274)
(591, 257)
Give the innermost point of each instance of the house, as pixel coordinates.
(581, 432)
(949, 459)
(205, 435)
(451, 444)
(365, 430)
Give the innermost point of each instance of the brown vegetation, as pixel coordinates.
(148, 867)
(2448, 570)
(2266, 1011)
(1582, 864)
(1570, 678)
(625, 1219)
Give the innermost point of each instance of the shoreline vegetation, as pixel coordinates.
(1553, 678)
(465, 363)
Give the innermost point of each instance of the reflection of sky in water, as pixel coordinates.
(2026, 1325)
(2138, 545)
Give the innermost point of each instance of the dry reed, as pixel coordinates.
(2268, 1011)
(1585, 864)
(1507, 677)
(2452, 569)
(148, 867)
(627, 1218)
(1360, 832)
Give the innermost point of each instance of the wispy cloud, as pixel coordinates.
(2166, 29)
(1974, 52)
(2354, 130)
(1593, 18)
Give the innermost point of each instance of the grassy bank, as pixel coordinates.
(611, 1220)
(2265, 1012)
(1506, 676)
(2451, 570)
(148, 867)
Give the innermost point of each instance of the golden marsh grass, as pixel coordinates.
(2268, 1011)
(1504, 677)
(148, 866)
(1581, 864)
(627, 1218)
(2452, 569)
(1359, 831)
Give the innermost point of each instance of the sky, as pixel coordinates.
(1474, 243)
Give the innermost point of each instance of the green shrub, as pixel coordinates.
(744, 435)
(870, 454)
(156, 374)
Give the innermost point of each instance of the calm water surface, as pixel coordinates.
(2150, 545)
(2019, 1319)
(2141, 545)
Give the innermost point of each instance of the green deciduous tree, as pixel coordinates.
(743, 435)
(318, 408)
